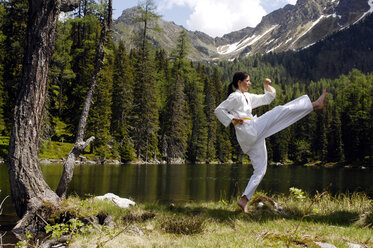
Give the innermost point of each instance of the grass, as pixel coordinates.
(4, 143)
(335, 220)
(60, 150)
(48, 149)
(54, 150)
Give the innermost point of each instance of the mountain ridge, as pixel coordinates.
(293, 27)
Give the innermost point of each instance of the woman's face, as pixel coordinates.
(243, 85)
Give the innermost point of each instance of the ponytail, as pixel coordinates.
(230, 88)
(238, 76)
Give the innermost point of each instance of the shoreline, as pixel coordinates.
(103, 161)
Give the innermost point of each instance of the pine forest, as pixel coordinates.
(153, 105)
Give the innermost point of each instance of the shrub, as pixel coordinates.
(182, 225)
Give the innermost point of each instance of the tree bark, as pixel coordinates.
(28, 187)
(80, 145)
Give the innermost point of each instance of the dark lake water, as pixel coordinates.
(180, 183)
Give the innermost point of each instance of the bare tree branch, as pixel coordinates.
(79, 146)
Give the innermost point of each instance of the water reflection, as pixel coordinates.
(173, 183)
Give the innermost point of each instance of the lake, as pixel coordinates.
(180, 183)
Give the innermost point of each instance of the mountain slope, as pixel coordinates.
(329, 58)
(298, 26)
(292, 27)
(202, 46)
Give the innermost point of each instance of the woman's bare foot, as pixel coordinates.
(320, 102)
(242, 202)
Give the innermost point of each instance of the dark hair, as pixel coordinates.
(239, 75)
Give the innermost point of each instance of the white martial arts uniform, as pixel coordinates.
(252, 133)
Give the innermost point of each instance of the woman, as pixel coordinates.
(252, 131)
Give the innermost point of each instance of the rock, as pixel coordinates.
(352, 245)
(177, 161)
(152, 161)
(82, 158)
(45, 161)
(109, 221)
(325, 245)
(112, 161)
(56, 161)
(92, 219)
(100, 160)
(90, 162)
(120, 202)
(136, 230)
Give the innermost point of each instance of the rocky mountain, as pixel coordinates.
(202, 46)
(292, 27)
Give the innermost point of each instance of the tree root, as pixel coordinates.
(37, 212)
(62, 240)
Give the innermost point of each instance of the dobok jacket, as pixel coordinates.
(240, 104)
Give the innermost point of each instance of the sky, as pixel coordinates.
(213, 17)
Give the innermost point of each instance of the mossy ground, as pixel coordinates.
(336, 220)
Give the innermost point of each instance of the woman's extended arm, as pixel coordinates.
(263, 99)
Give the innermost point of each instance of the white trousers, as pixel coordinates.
(266, 125)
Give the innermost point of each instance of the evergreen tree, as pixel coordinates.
(122, 103)
(223, 145)
(370, 79)
(279, 145)
(60, 78)
(323, 141)
(14, 29)
(145, 111)
(146, 115)
(209, 107)
(335, 145)
(98, 124)
(100, 114)
(85, 31)
(2, 56)
(174, 135)
(163, 77)
(355, 116)
(148, 19)
(197, 138)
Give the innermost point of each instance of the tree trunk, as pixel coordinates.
(80, 145)
(28, 187)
